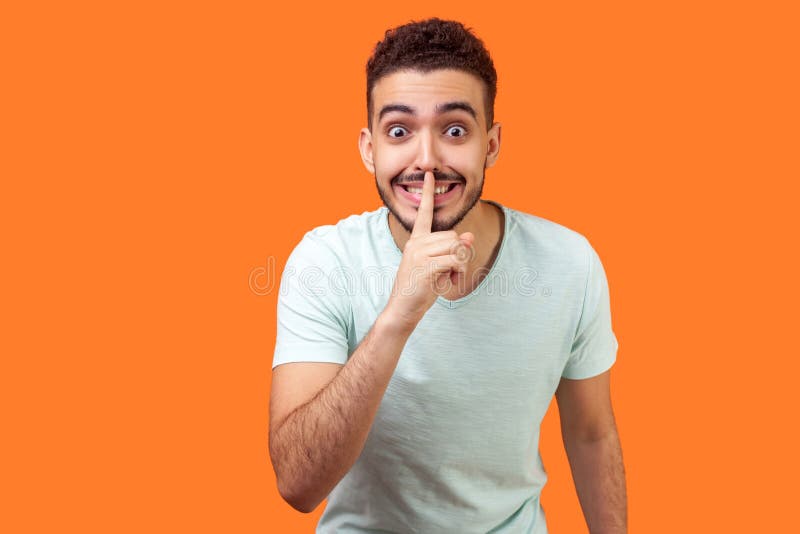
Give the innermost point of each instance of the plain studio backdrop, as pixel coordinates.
(159, 161)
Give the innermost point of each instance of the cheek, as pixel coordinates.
(469, 164)
(385, 171)
(389, 164)
(467, 160)
(465, 155)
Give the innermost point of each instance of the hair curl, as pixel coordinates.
(429, 45)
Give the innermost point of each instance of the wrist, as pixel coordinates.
(394, 323)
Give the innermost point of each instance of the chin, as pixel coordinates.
(441, 222)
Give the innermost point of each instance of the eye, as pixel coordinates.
(456, 131)
(397, 132)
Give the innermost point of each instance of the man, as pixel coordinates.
(413, 401)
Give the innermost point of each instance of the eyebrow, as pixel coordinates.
(440, 108)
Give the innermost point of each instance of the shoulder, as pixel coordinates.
(341, 241)
(546, 240)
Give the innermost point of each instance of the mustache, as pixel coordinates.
(420, 176)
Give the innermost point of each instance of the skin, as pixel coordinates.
(591, 440)
(453, 144)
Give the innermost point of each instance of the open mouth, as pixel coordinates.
(441, 193)
(438, 190)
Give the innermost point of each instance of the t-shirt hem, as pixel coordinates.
(316, 358)
(591, 371)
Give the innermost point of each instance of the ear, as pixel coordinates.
(365, 147)
(493, 145)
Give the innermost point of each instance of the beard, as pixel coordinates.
(438, 224)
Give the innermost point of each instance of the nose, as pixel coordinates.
(428, 158)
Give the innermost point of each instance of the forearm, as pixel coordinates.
(317, 444)
(599, 475)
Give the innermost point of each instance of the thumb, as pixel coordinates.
(468, 238)
(467, 252)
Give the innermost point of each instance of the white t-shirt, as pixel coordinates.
(454, 444)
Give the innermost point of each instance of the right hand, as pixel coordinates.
(432, 263)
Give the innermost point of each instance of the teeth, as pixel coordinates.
(437, 191)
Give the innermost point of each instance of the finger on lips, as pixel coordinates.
(424, 220)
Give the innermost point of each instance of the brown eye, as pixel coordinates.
(397, 132)
(456, 131)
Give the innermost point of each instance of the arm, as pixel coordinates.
(593, 449)
(316, 444)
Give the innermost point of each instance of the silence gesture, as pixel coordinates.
(432, 262)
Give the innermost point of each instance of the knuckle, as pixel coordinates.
(411, 244)
(457, 249)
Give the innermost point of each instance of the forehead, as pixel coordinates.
(424, 90)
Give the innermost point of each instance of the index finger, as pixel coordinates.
(424, 220)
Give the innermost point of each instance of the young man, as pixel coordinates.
(419, 345)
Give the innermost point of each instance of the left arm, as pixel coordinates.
(593, 449)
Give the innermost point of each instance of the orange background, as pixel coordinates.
(157, 158)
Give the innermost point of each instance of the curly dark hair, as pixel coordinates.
(429, 45)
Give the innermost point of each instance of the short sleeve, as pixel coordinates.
(594, 348)
(312, 319)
